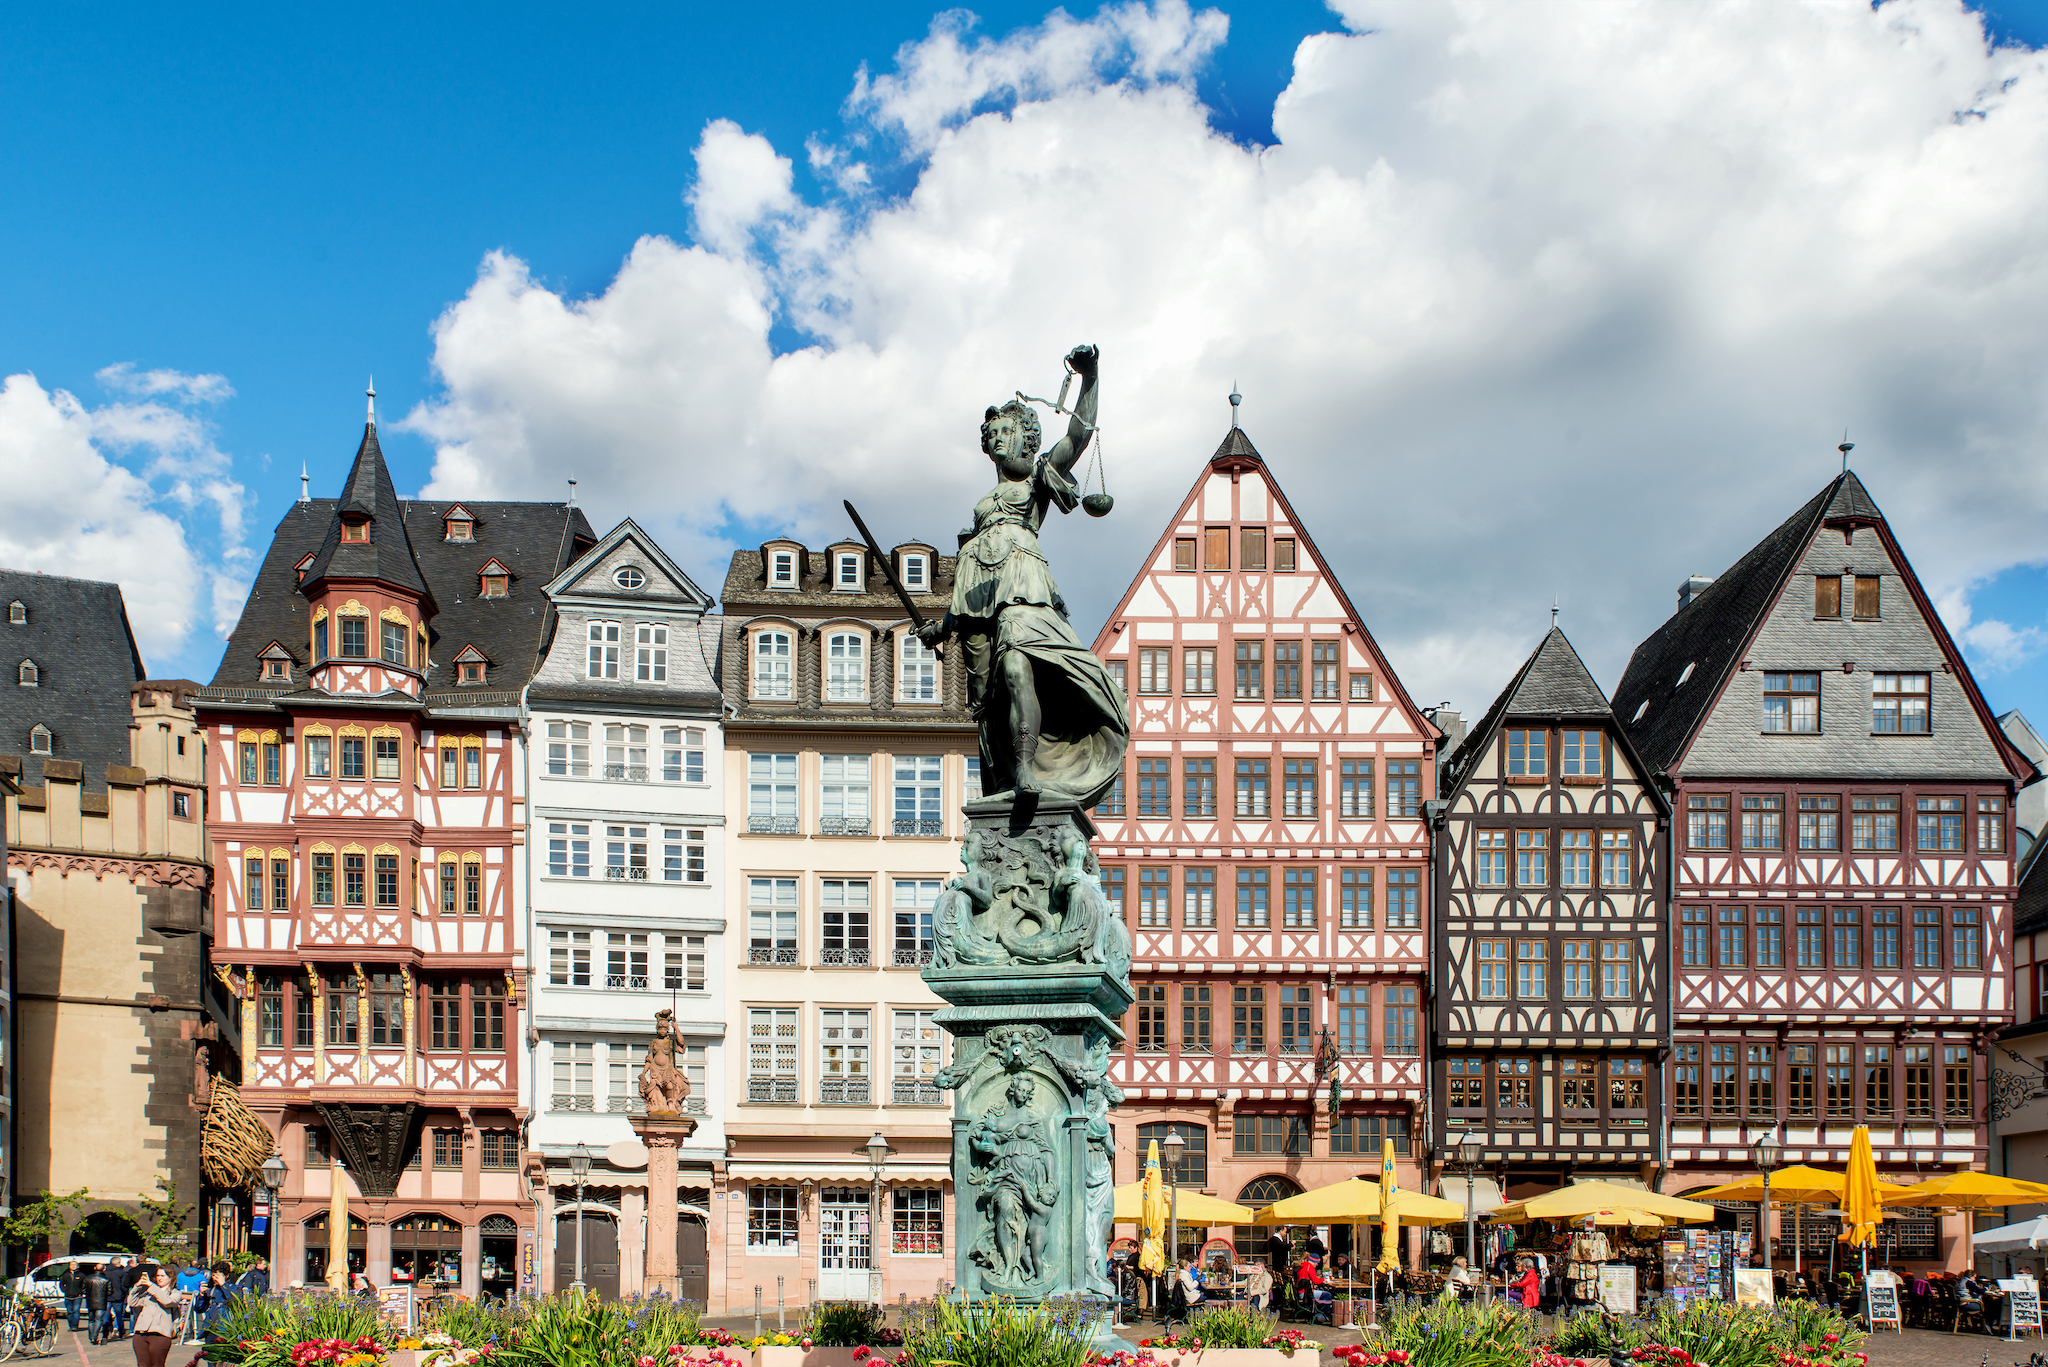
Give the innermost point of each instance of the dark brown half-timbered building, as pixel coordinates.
(1844, 871)
(1550, 997)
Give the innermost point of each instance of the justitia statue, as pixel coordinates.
(662, 1085)
(1027, 949)
(1051, 718)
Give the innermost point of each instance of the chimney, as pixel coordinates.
(1449, 722)
(1693, 587)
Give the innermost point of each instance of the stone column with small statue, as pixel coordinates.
(663, 1088)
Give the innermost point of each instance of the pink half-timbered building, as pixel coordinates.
(366, 811)
(1268, 846)
(1843, 859)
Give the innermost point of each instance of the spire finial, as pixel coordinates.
(1845, 448)
(1235, 399)
(572, 493)
(372, 392)
(1553, 612)
(305, 485)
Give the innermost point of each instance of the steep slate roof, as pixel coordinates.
(537, 541)
(388, 554)
(584, 590)
(1710, 632)
(1552, 682)
(2030, 907)
(78, 635)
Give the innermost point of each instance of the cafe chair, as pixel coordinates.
(1176, 1304)
(1967, 1312)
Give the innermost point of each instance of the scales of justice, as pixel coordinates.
(1032, 960)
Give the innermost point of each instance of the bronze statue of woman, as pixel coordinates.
(1052, 721)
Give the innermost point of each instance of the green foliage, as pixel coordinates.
(994, 1333)
(240, 1260)
(1230, 1326)
(571, 1329)
(1709, 1331)
(274, 1323)
(468, 1322)
(39, 1220)
(842, 1324)
(1449, 1333)
(662, 1322)
(160, 1239)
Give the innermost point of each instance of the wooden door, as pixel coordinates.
(693, 1259)
(600, 1253)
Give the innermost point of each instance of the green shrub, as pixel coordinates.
(842, 1324)
(1455, 1334)
(291, 1318)
(993, 1333)
(1230, 1326)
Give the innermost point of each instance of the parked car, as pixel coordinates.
(42, 1283)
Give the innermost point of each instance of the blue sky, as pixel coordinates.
(289, 197)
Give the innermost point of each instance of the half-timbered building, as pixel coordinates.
(1268, 849)
(1550, 1000)
(1843, 871)
(367, 810)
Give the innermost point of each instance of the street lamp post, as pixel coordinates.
(579, 1167)
(1764, 1153)
(273, 1182)
(1469, 1150)
(878, 1153)
(1174, 1146)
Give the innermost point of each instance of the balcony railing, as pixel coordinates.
(771, 825)
(572, 1101)
(910, 1092)
(694, 1105)
(909, 826)
(844, 825)
(628, 1105)
(635, 873)
(626, 982)
(844, 958)
(843, 1091)
(771, 954)
(913, 958)
(774, 1089)
(626, 773)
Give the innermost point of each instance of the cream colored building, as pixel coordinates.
(848, 753)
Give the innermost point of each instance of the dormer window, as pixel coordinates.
(39, 739)
(277, 669)
(471, 666)
(916, 572)
(846, 571)
(782, 569)
(629, 577)
(17, 613)
(299, 570)
(459, 525)
(496, 581)
(355, 529)
(28, 675)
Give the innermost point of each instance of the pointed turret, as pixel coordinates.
(366, 537)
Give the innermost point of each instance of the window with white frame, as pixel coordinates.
(772, 666)
(771, 920)
(28, 675)
(568, 849)
(625, 961)
(843, 1043)
(844, 794)
(843, 918)
(682, 963)
(917, 1050)
(917, 1221)
(39, 740)
(625, 753)
(771, 1219)
(913, 902)
(621, 1063)
(650, 653)
(846, 571)
(693, 1072)
(771, 1054)
(569, 749)
(974, 777)
(625, 854)
(604, 650)
(771, 794)
(782, 569)
(916, 572)
(682, 855)
(569, 958)
(917, 670)
(918, 795)
(682, 754)
(575, 1071)
(846, 666)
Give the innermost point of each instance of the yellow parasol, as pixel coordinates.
(1963, 1191)
(1352, 1200)
(1197, 1209)
(1860, 1210)
(1796, 1185)
(1593, 1198)
(1390, 1212)
(1152, 1248)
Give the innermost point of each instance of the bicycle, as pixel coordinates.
(28, 1322)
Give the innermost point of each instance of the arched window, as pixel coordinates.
(1264, 1191)
(772, 666)
(29, 675)
(39, 740)
(917, 671)
(846, 673)
(498, 1224)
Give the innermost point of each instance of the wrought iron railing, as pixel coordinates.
(635, 873)
(775, 954)
(844, 958)
(843, 1091)
(844, 825)
(573, 1101)
(628, 1105)
(911, 1092)
(913, 958)
(771, 825)
(626, 773)
(910, 826)
(781, 1089)
(626, 982)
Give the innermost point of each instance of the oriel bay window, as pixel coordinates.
(352, 756)
(343, 1012)
(269, 1011)
(387, 879)
(354, 879)
(444, 1014)
(387, 1010)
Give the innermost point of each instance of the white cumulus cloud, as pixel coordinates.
(1529, 302)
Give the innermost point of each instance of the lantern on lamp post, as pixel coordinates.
(579, 1168)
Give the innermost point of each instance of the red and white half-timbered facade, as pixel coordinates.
(368, 808)
(1268, 847)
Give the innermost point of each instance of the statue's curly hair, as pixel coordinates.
(1027, 419)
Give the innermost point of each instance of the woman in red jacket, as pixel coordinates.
(1527, 1289)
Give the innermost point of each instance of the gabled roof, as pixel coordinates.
(569, 584)
(494, 566)
(470, 655)
(77, 633)
(387, 556)
(1552, 683)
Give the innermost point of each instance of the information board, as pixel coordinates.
(1882, 1299)
(1753, 1286)
(396, 1302)
(2023, 1304)
(1618, 1288)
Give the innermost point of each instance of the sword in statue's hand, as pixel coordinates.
(917, 619)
